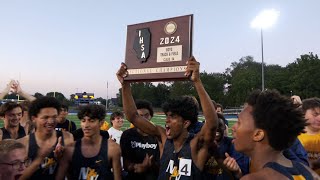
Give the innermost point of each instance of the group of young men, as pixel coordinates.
(268, 125)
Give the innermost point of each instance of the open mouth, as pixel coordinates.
(167, 130)
(50, 127)
(17, 176)
(218, 134)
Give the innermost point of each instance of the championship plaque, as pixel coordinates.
(158, 50)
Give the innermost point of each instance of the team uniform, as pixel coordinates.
(296, 152)
(105, 126)
(47, 169)
(134, 147)
(212, 170)
(6, 134)
(178, 165)
(311, 144)
(66, 126)
(95, 168)
(297, 172)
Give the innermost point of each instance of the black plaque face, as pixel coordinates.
(158, 50)
(142, 44)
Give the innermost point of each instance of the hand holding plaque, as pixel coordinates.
(159, 50)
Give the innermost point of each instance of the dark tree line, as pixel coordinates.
(232, 87)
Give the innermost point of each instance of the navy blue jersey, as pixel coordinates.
(96, 167)
(49, 166)
(214, 170)
(6, 134)
(296, 152)
(298, 171)
(178, 165)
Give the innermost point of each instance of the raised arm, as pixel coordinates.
(130, 108)
(200, 144)
(211, 124)
(22, 93)
(7, 89)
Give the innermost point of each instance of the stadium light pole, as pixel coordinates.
(107, 96)
(263, 20)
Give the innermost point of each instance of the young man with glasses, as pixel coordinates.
(13, 159)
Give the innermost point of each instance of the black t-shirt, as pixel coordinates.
(67, 126)
(134, 148)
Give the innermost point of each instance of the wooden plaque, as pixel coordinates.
(158, 50)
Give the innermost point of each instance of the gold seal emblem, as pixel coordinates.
(170, 28)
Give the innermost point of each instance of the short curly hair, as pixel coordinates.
(186, 106)
(278, 116)
(144, 104)
(94, 111)
(43, 102)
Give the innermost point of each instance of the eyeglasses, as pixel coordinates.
(17, 164)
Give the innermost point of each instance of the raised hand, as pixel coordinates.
(16, 87)
(142, 167)
(193, 69)
(58, 151)
(10, 87)
(8, 90)
(122, 73)
(231, 164)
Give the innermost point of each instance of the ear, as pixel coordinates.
(33, 119)
(258, 135)
(186, 124)
(101, 123)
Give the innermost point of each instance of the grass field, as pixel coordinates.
(157, 119)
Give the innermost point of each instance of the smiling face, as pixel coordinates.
(313, 118)
(46, 120)
(15, 156)
(220, 131)
(90, 127)
(117, 122)
(243, 131)
(12, 118)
